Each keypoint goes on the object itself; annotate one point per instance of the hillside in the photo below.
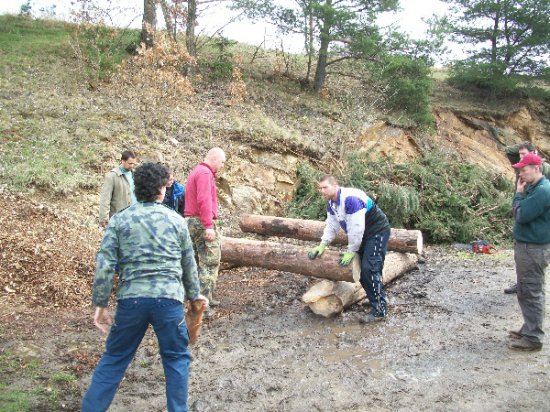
(61, 133)
(62, 127)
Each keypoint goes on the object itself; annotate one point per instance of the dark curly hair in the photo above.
(149, 178)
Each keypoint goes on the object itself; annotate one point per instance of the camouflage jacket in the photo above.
(153, 250)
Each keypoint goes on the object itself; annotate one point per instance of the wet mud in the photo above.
(444, 347)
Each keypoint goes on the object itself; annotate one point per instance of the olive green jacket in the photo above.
(115, 194)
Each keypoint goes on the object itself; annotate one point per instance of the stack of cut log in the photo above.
(340, 288)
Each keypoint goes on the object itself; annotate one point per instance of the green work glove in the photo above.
(316, 251)
(346, 258)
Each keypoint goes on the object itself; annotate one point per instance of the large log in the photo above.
(287, 258)
(291, 258)
(328, 298)
(401, 240)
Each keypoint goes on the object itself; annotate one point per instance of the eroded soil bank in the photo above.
(443, 347)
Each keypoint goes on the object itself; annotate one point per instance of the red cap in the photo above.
(529, 159)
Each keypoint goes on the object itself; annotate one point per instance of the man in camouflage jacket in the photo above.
(151, 246)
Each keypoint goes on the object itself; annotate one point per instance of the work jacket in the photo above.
(115, 194)
(532, 213)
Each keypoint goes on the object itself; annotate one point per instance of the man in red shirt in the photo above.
(201, 211)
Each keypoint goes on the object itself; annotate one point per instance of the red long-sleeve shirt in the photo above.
(201, 199)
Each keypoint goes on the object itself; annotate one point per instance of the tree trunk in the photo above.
(328, 298)
(401, 240)
(190, 29)
(291, 258)
(308, 30)
(287, 258)
(321, 70)
(149, 22)
(170, 28)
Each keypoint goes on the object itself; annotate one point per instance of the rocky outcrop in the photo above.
(261, 181)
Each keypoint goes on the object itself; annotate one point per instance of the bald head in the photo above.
(215, 158)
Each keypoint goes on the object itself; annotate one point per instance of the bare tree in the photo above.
(149, 22)
(168, 13)
(190, 29)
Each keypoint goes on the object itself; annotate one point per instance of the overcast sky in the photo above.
(409, 19)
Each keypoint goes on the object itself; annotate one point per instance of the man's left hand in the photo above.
(346, 258)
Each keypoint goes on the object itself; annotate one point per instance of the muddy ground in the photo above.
(443, 347)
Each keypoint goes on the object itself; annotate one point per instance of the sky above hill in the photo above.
(128, 13)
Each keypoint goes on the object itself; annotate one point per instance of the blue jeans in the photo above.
(132, 319)
(373, 253)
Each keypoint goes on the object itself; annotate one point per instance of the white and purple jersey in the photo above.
(353, 211)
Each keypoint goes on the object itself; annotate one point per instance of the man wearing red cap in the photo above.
(515, 154)
(531, 209)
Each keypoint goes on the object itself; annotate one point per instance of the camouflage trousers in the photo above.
(207, 255)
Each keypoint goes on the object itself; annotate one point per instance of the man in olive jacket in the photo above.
(118, 189)
(531, 209)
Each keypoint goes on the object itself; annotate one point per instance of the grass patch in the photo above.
(49, 164)
(23, 387)
(29, 39)
(14, 400)
(63, 377)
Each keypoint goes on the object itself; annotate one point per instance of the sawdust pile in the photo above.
(45, 258)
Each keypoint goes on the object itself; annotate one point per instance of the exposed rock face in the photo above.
(259, 181)
(380, 139)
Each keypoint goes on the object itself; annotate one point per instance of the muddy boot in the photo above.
(514, 334)
(512, 289)
(526, 345)
(372, 317)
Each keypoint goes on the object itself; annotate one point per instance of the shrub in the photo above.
(483, 77)
(307, 202)
(408, 85)
(222, 66)
(437, 194)
(101, 48)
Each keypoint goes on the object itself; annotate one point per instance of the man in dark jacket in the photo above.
(515, 154)
(175, 194)
(531, 209)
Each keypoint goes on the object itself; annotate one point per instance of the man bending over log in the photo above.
(368, 231)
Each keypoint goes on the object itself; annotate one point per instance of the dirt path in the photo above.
(444, 347)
